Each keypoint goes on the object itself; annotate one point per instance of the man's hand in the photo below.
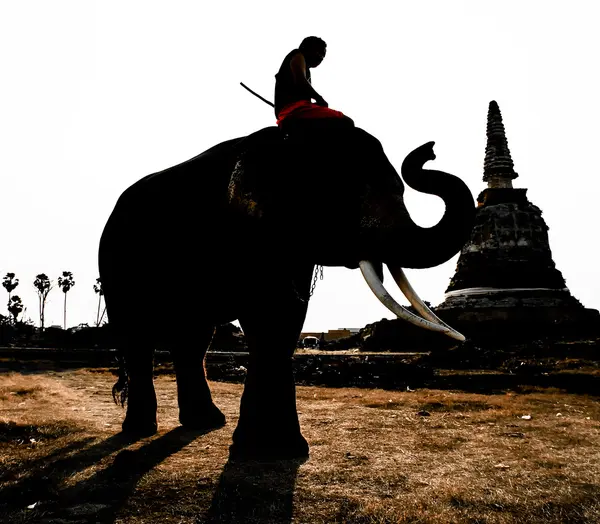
(321, 102)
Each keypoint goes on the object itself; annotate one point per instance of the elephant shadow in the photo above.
(37, 478)
(245, 491)
(254, 492)
(99, 497)
(108, 490)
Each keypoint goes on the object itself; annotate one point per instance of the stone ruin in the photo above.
(506, 284)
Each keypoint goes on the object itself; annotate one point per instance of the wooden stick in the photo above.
(257, 95)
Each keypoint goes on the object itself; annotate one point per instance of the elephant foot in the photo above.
(268, 451)
(202, 419)
(139, 428)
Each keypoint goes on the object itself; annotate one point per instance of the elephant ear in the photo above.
(255, 178)
(278, 177)
(310, 185)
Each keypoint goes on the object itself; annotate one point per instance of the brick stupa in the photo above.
(506, 280)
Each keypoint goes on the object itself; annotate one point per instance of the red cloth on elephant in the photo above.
(305, 109)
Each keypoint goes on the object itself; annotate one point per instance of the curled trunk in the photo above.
(449, 235)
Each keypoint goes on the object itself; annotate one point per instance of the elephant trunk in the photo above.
(429, 247)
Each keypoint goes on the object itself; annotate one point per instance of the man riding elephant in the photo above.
(228, 221)
(294, 92)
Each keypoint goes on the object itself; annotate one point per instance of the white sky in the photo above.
(95, 95)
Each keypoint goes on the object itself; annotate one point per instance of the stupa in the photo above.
(506, 282)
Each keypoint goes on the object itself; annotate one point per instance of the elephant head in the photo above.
(343, 193)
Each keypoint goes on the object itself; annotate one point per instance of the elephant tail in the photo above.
(121, 387)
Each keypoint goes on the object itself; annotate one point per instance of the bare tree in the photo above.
(66, 282)
(98, 289)
(10, 283)
(43, 286)
(15, 306)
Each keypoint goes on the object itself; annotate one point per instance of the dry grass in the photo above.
(426, 456)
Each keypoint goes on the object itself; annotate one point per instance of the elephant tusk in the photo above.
(386, 299)
(409, 292)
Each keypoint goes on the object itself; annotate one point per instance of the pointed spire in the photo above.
(498, 168)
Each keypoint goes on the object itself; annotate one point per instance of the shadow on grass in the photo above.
(43, 475)
(254, 492)
(99, 497)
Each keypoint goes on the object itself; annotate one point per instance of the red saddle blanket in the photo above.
(305, 109)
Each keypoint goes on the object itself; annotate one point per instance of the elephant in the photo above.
(226, 226)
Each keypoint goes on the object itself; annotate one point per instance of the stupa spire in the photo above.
(498, 170)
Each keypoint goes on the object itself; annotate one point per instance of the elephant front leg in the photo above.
(268, 427)
(196, 408)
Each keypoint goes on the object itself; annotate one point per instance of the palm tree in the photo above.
(10, 283)
(98, 289)
(43, 286)
(66, 282)
(15, 306)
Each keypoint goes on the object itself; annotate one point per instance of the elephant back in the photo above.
(277, 175)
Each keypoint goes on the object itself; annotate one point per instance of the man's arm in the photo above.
(298, 65)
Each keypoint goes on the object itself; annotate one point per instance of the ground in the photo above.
(525, 455)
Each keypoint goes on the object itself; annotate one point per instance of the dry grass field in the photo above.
(426, 456)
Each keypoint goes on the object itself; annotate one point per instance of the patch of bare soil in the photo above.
(424, 456)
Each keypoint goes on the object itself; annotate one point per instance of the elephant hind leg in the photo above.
(133, 338)
(196, 408)
(140, 420)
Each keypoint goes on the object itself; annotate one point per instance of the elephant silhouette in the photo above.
(226, 225)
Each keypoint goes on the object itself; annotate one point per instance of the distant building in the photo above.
(332, 334)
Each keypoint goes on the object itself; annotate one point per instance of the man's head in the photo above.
(313, 48)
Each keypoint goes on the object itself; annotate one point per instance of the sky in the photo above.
(96, 95)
